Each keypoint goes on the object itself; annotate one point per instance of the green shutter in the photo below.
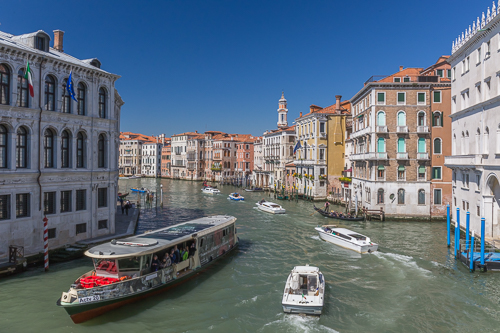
(401, 97)
(406, 79)
(381, 167)
(421, 145)
(401, 145)
(380, 97)
(441, 119)
(401, 168)
(437, 97)
(381, 145)
(421, 169)
(421, 97)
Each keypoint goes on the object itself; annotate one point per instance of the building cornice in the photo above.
(475, 107)
(397, 85)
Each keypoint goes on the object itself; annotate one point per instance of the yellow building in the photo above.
(320, 158)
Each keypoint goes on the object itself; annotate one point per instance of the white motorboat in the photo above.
(210, 190)
(346, 238)
(270, 207)
(236, 197)
(304, 291)
(134, 177)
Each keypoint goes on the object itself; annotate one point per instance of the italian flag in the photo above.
(29, 76)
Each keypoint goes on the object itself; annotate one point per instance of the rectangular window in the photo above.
(65, 201)
(4, 207)
(478, 211)
(406, 79)
(380, 174)
(436, 172)
(322, 127)
(479, 55)
(397, 79)
(23, 205)
(454, 73)
(81, 228)
(439, 72)
(437, 97)
(466, 181)
(421, 197)
(401, 174)
(421, 98)
(102, 197)
(448, 73)
(102, 224)
(478, 182)
(49, 203)
(380, 98)
(52, 233)
(467, 64)
(81, 199)
(401, 98)
(437, 196)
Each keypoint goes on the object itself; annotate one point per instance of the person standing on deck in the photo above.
(122, 205)
(327, 206)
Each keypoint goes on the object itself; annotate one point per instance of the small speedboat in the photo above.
(134, 177)
(346, 238)
(270, 207)
(236, 197)
(210, 190)
(123, 177)
(304, 291)
(140, 190)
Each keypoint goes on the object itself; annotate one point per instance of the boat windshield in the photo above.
(358, 236)
(129, 264)
(275, 206)
(105, 266)
(312, 282)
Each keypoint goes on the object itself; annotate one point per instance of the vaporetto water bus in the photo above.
(127, 270)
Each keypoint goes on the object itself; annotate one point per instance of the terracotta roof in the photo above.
(330, 109)
(407, 71)
(186, 133)
(136, 136)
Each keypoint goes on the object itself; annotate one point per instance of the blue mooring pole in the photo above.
(482, 242)
(471, 256)
(448, 223)
(457, 231)
(467, 221)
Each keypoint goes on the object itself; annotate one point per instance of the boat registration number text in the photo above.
(89, 299)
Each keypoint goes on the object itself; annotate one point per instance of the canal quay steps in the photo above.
(125, 225)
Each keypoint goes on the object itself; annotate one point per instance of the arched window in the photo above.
(101, 157)
(380, 196)
(437, 146)
(80, 150)
(486, 139)
(81, 99)
(48, 147)
(381, 118)
(22, 90)
(22, 148)
(454, 144)
(421, 118)
(401, 118)
(102, 103)
(50, 93)
(3, 147)
(66, 98)
(478, 140)
(381, 145)
(421, 145)
(437, 118)
(421, 197)
(65, 144)
(401, 196)
(4, 84)
(401, 145)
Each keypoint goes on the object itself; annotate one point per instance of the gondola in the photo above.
(322, 212)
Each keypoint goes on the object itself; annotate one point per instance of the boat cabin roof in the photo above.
(348, 232)
(306, 269)
(271, 204)
(157, 240)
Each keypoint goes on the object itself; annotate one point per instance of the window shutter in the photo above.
(441, 119)
(433, 121)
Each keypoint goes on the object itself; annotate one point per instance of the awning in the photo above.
(401, 168)
(421, 169)
(358, 116)
(348, 170)
(381, 167)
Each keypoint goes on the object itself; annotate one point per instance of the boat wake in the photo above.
(247, 301)
(296, 323)
(406, 261)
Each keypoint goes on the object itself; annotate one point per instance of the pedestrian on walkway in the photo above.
(127, 207)
(122, 205)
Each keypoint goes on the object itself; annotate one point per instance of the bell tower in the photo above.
(282, 112)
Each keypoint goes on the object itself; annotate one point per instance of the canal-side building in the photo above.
(394, 144)
(244, 156)
(320, 159)
(179, 154)
(166, 160)
(195, 157)
(151, 157)
(58, 155)
(475, 116)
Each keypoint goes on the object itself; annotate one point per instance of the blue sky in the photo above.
(221, 65)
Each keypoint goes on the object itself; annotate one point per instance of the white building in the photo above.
(58, 157)
(475, 91)
(179, 154)
(151, 159)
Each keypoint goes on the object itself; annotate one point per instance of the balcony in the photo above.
(422, 156)
(354, 157)
(361, 132)
(402, 129)
(422, 129)
(402, 156)
(380, 155)
(191, 157)
(381, 129)
(177, 153)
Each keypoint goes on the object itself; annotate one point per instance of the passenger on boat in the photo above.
(262, 201)
(155, 264)
(173, 257)
(165, 262)
(192, 249)
(177, 255)
(185, 254)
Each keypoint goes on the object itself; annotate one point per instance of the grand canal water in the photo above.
(411, 285)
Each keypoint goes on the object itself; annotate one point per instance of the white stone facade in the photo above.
(475, 91)
(68, 168)
(151, 159)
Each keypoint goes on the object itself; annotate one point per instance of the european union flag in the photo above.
(69, 87)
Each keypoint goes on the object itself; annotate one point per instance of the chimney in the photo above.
(58, 40)
(400, 68)
(196, 131)
(300, 114)
(337, 103)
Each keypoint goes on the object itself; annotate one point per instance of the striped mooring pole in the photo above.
(45, 244)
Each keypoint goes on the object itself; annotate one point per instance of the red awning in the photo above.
(348, 170)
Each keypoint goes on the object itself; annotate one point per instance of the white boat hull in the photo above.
(270, 210)
(367, 248)
(308, 301)
(210, 191)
